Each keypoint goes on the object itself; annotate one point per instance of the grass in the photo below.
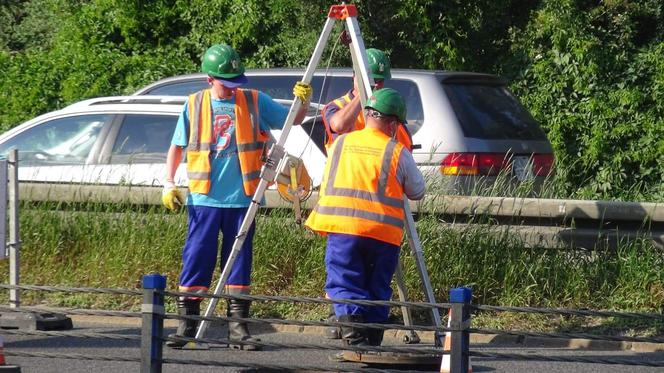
(112, 247)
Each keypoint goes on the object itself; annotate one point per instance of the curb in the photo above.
(479, 340)
(505, 340)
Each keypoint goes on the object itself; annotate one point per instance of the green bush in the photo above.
(591, 72)
(593, 75)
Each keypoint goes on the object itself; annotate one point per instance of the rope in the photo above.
(308, 323)
(579, 359)
(570, 312)
(72, 356)
(286, 368)
(72, 311)
(320, 96)
(73, 290)
(425, 351)
(568, 335)
(244, 364)
(273, 298)
(122, 337)
(260, 298)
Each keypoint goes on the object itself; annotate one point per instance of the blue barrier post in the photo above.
(459, 324)
(152, 329)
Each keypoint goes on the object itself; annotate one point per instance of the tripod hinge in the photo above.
(342, 11)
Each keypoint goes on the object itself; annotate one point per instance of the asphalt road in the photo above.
(273, 356)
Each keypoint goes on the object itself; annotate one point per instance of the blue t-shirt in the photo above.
(226, 188)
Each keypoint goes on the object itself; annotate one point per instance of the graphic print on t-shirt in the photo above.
(222, 128)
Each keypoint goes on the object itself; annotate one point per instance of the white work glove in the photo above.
(171, 197)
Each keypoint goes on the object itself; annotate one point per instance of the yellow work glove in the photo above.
(302, 91)
(171, 197)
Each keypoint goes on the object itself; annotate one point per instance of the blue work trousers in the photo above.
(360, 268)
(199, 256)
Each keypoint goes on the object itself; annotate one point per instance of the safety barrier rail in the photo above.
(455, 356)
(548, 223)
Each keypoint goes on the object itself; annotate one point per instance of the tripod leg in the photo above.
(268, 174)
(361, 68)
(416, 249)
(359, 58)
(411, 337)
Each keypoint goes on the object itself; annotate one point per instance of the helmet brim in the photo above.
(232, 82)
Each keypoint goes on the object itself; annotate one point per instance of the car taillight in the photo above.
(488, 164)
(542, 164)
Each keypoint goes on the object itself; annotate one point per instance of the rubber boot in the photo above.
(352, 336)
(186, 328)
(332, 332)
(375, 336)
(238, 331)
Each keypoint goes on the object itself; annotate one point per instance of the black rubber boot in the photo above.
(238, 331)
(186, 328)
(352, 336)
(332, 332)
(375, 336)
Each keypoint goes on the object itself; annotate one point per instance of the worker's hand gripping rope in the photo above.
(302, 91)
(171, 197)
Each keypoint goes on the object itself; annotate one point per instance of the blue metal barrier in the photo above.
(459, 323)
(152, 329)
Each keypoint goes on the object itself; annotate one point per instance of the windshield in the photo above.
(67, 140)
(491, 112)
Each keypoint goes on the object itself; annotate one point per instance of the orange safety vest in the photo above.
(403, 136)
(360, 194)
(249, 137)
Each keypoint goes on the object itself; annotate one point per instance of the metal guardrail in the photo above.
(548, 223)
(454, 357)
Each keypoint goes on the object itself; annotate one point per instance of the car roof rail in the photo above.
(128, 100)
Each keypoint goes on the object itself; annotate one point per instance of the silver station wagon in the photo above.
(468, 129)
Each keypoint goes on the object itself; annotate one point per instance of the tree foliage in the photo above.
(592, 72)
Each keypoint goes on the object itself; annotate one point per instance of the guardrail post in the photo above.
(14, 238)
(459, 323)
(152, 329)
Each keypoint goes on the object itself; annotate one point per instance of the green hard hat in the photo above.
(379, 64)
(389, 102)
(222, 61)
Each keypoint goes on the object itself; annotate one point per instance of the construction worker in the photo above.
(224, 130)
(360, 209)
(343, 115)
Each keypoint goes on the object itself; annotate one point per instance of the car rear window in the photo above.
(491, 112)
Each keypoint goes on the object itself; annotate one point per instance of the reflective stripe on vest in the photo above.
(200, 140)
(249, 138)
(354, 200)
(403, 136)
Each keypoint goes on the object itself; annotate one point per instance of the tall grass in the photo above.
(556, 185)
(115, 246)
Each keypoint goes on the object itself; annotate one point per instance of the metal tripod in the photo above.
(347, 14)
